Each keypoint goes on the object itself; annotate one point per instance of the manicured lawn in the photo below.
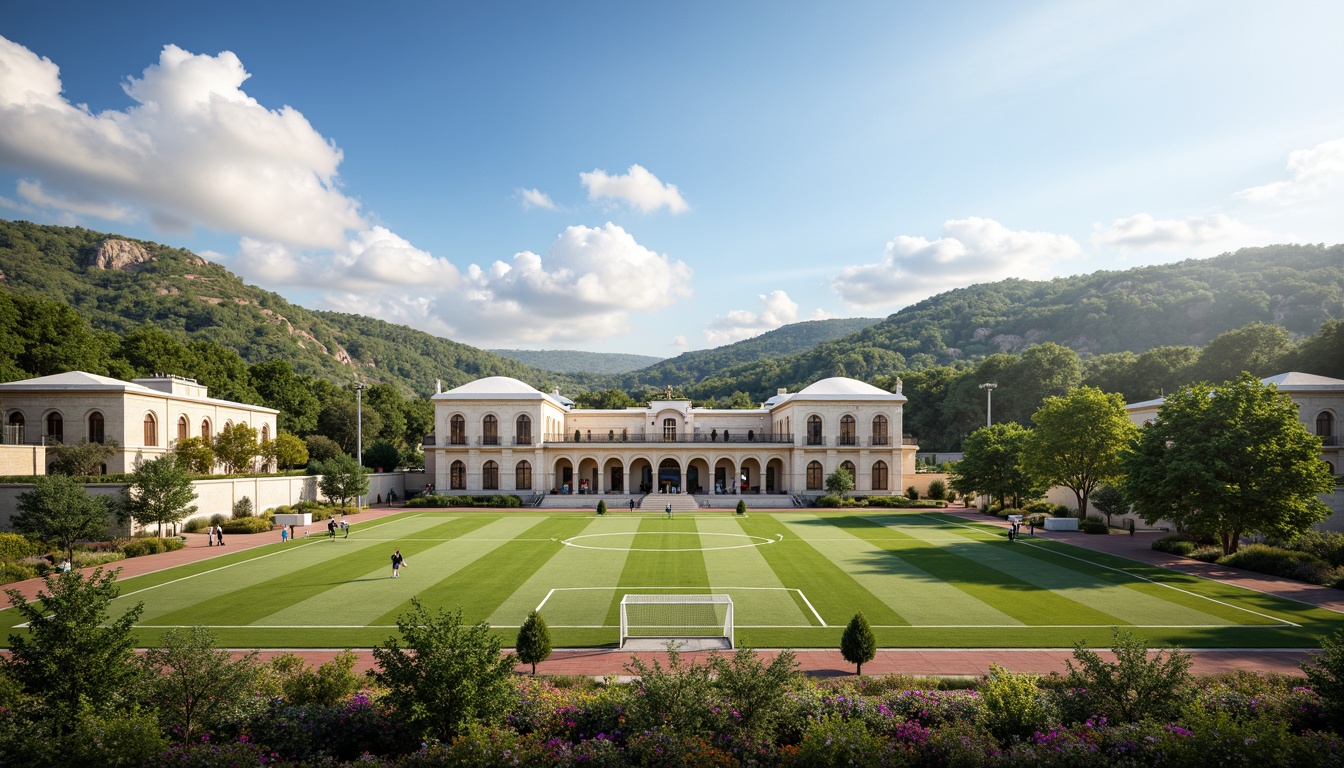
(923, 579)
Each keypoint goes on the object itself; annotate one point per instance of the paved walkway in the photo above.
(829, 663)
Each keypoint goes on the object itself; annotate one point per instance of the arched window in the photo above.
(814, 476)
(151, 430)
(669, 430)
(457, 476)
(490, 476)
(848, 466)
(183, 428)
(880, 476)
(847, 430)
(1325, 426)
(522, 476)
(814, 431)
(522, 430)
(489, 430)
(95, 427)
(55, 428)
(205, 430)
(457, 430)
(880, 434)
(14, 434)
(265, 433)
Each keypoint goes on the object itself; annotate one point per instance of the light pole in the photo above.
(359, 436)
(989, 402)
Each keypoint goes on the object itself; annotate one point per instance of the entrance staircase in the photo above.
(657, 502)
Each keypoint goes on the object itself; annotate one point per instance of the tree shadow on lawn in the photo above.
(963, 563)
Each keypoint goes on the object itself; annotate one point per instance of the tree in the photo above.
(1077, 441)
(1228, 460)
(840, 482)
(84, 459)
(448, 674)
(534, 641)
(195, 455)
(382, 454)
(858, 644)
(1110, 501)
(191, 680)
(992, 465)
(160, 492)
(1325, 675)
(1323, 354)
(236, 447)
(1135, 686)
(322, 448)
(60, 509)
(339, 420)
(286, 451)
(391, 409)
(74, 655)
(280, 388)
(1258, 348)
(343, 479)
(607, 399)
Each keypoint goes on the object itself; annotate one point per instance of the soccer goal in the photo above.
(694, 622)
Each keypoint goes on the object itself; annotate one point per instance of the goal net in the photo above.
(695, 622)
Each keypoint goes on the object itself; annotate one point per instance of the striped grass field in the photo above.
(922, 579)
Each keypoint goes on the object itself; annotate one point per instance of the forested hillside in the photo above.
(119, 284)
(575, 361)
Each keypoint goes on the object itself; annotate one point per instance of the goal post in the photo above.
(670, 618)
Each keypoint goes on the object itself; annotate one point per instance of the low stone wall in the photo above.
(23, 459)
(218, 496)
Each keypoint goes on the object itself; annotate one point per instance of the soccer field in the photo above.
(923, 580)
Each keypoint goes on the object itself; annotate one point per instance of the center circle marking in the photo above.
(751, 541)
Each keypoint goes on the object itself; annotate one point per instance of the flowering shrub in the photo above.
(343, 731)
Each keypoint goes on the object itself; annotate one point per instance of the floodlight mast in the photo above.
(989, 401)
(359, 436)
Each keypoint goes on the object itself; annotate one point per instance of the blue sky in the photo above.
(652, 178)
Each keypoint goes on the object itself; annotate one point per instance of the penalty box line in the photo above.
(806, 602)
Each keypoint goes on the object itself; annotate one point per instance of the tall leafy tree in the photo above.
(56, 339)
(992, 465)
(286, 450)
(149, 349)
(60, 509)
(391, 409)
(1226, 461)
(339, 420)
(74, 655)
(1077, 441)
(195, 454)
(236, 447)
(1323, 354)
(343, 479)
(287, 392)
(81, 459)
(840, 482)
(160, 492)
(1259, 349)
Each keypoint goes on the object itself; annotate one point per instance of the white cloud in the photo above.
(535, 198)
(776, 309)
(637, 187)
(821, 314)
(974, 250)
(193, 149)
(1312, 172)
(374, 259)
(1142, 232)
(585, 288)
(679, 342)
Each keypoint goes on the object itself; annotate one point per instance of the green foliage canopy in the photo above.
(1077, 441)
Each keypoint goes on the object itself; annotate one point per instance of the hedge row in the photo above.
(436, 500)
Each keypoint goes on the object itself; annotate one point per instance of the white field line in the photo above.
(249, 560)
(741, 626)
(1039, 545)
(715, 587)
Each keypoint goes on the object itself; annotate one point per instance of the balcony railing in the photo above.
(488, 440)
(729, 436)
(522, 440)
(428, 442)
(1329, 440)
(908, 440)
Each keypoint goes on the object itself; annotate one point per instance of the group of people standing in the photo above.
(215, 535)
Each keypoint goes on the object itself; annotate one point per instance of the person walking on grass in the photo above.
(669, 510)
(345, 525)
(397, 562)
(632, 505)
(331, 527)
(284, 535)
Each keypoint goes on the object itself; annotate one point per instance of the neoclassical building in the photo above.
(146, 417)
(499, 434)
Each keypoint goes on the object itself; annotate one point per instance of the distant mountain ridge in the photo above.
(575, 361)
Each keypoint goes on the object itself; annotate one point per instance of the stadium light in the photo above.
(989, 402)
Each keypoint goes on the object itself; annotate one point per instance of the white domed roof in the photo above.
(495, 385)
(841, 386)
